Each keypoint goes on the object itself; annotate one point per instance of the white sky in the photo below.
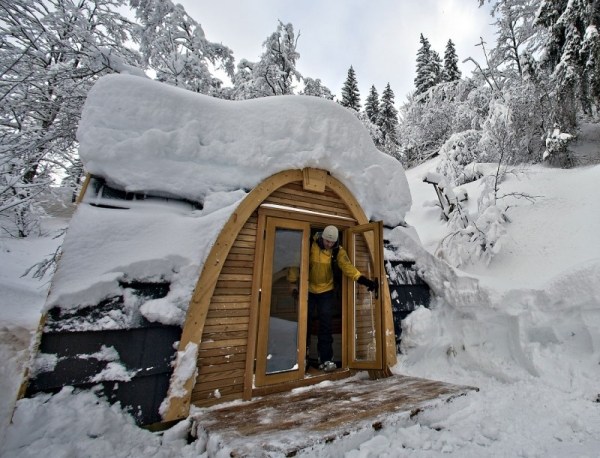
(379, 38)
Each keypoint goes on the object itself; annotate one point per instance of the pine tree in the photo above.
(350, 93)
(437, 68)
(572, 53)
(428, 67)
(451, 71)
(372, 105)
(388, 121)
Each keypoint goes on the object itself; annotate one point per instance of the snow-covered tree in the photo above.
(472, 100)
(350, 92)
(428, 67)
(437, 67)
(451, 71)
(388, 121)
(316, 88)
(276, 70)
(427, 122)
(51, 52)
(516, 32)
(244, 85)
(275, 73)
(497, 141)
(174, 45)
(372, 105)
(532, 114)
(372, 127)
(572, 53)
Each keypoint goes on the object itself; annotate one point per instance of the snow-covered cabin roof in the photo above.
(147, 137)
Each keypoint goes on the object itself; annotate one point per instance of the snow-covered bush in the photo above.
(497, 144)
(448, 200)
(557, 149)
(480, 240)
(478, 237)
(458, 155)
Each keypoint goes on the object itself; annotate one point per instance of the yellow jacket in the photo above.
(320, 274)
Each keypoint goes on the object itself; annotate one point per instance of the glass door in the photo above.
(365, 318)
(281, 344)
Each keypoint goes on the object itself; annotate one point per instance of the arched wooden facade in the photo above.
(223, 313)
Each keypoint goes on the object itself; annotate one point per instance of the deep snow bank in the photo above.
(547, 325)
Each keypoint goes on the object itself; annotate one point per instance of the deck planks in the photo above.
(289, 422)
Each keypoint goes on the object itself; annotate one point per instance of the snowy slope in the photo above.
(525, 330)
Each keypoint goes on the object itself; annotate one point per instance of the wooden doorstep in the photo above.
(288, 422)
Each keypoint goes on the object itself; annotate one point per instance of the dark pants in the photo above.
(320, 306)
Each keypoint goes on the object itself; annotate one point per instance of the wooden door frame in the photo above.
(271, 224)
(265, 212)
(281, 214)
(375, 249)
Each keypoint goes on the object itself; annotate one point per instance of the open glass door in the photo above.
(282, 307)
(365, 317)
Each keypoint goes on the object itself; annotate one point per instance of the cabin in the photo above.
(173, 289)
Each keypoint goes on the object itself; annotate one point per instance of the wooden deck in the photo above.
(285, 423)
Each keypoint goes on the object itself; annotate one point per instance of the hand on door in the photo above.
(370, 284)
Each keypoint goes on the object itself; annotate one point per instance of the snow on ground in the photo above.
(21, 299)
(525, 330)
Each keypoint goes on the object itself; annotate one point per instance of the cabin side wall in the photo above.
(222, 352)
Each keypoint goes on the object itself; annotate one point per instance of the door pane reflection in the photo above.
(282, 344)
(365, 320)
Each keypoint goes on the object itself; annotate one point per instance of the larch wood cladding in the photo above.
(222, 350)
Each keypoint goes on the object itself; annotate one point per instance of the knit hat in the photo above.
(330, 233)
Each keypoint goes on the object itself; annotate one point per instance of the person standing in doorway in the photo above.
(325, 251)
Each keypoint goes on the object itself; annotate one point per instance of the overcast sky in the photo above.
(379, 38)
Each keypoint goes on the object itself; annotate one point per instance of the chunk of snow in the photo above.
(185, 369)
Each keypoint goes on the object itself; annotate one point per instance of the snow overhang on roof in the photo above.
(145, 136)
